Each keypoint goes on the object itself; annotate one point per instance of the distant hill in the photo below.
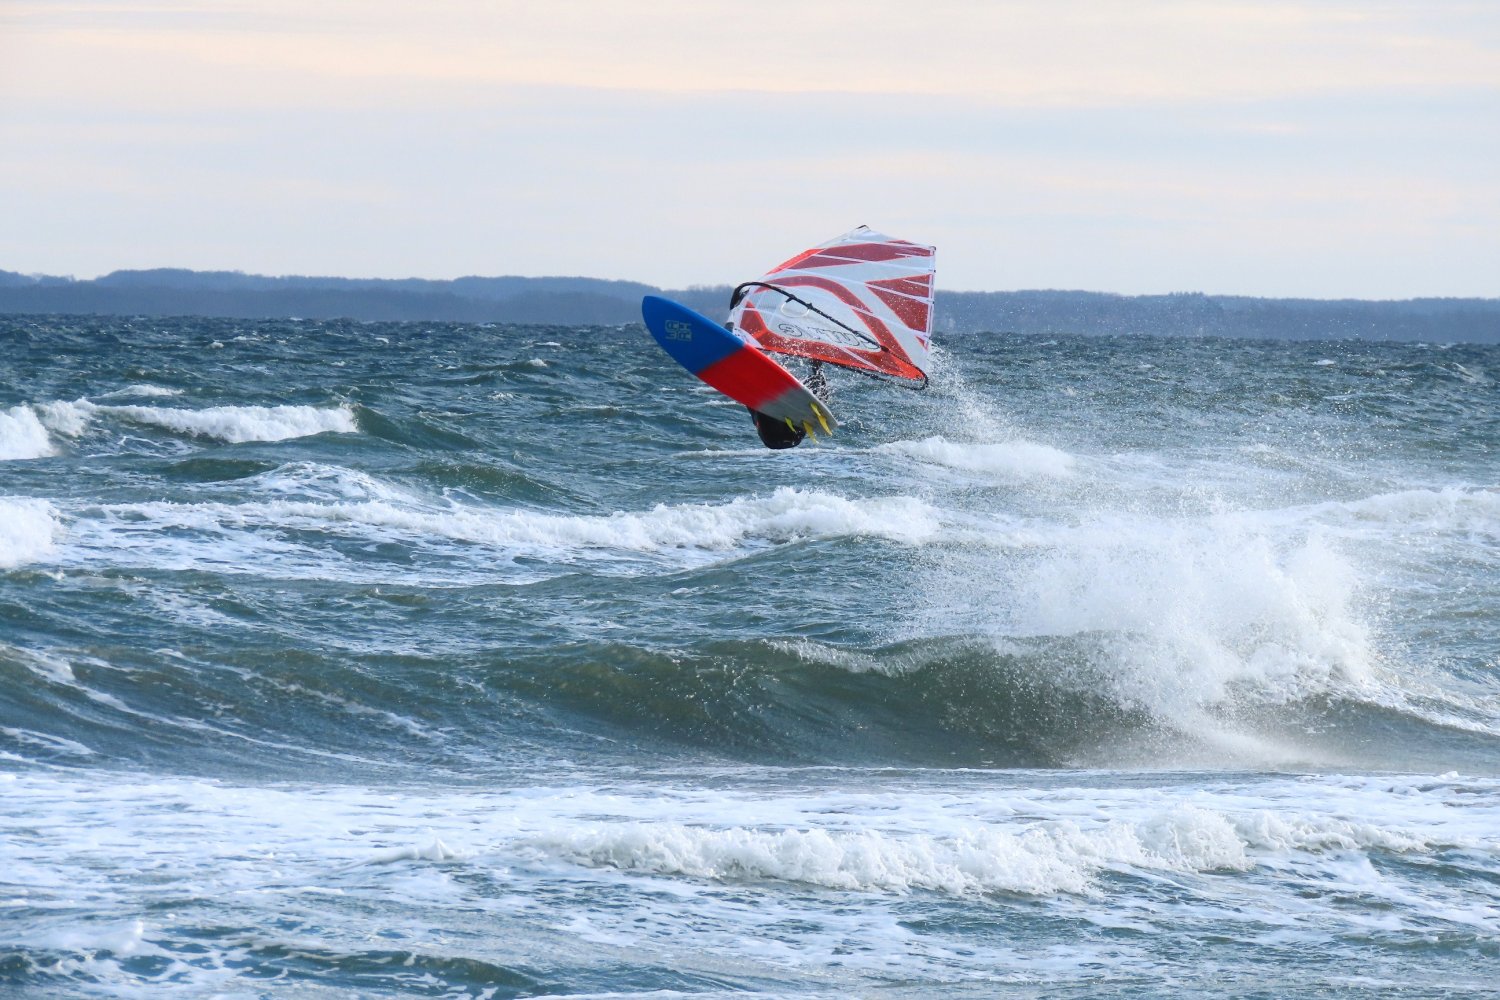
(578, 300)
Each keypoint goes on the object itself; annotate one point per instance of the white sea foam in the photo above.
(28, 530)
(1040, 859)
(238, 424)
(248, 536)
(46, 665)
(22, 435)
(434, 851)
(47, 741)
(69, 419)
(234, 424)
(1181, 616)
(788, 515)
(619, 863)
(141, 389)
(119, 940)
(1450, 509)
(1014, 459)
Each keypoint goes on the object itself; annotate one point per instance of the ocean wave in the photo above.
(248, 536)
(28, 530)
(957, 702)
(140, 389)
(1187, 614)
(22, 435)
(239, 424)
(787, 515)
(1470, 509)
(232, 424)
(1035, 859)
(960, 701)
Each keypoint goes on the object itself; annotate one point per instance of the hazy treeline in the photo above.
(175, 292)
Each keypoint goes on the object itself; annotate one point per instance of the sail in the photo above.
(863, 301)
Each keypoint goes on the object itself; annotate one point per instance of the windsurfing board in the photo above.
(738, 369)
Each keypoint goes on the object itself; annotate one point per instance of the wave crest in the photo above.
(28, 529)
(22, 435)
(232, 424)
(1037, 859)
(239, 424)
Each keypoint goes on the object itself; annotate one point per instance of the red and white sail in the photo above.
(863, 300)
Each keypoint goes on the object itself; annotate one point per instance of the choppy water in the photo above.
(402, 660)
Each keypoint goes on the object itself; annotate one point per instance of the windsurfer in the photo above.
(780, 434)
(817, 382)
(776, 434)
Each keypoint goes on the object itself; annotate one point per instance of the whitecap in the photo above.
(238, 424)
(1038, 859)
(28, 530)
(141, 389)
(249, 537)
(22, 435)
(69, 419)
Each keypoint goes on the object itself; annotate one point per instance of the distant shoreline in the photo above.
(567, 301)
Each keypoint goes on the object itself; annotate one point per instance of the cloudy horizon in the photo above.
(1320, 150)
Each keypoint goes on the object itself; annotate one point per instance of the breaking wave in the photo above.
(28, 530)
(1036, 859)
(22, 435)
(324, 505)
(231, 424)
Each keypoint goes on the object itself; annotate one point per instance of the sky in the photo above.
(1314, 149)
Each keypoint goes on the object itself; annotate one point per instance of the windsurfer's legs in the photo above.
(817, 382)
(775, 433)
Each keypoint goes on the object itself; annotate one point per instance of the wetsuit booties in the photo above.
(776, 433)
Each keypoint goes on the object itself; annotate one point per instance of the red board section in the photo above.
(750, 377)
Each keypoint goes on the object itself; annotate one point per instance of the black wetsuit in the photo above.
(817, 382)
(776, 433)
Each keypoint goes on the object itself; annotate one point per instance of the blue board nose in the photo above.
(694, 341)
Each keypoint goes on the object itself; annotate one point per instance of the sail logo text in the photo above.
(678, 330)
(829, 335)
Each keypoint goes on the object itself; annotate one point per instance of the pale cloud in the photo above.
(1333, 148)
(1032, 54)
